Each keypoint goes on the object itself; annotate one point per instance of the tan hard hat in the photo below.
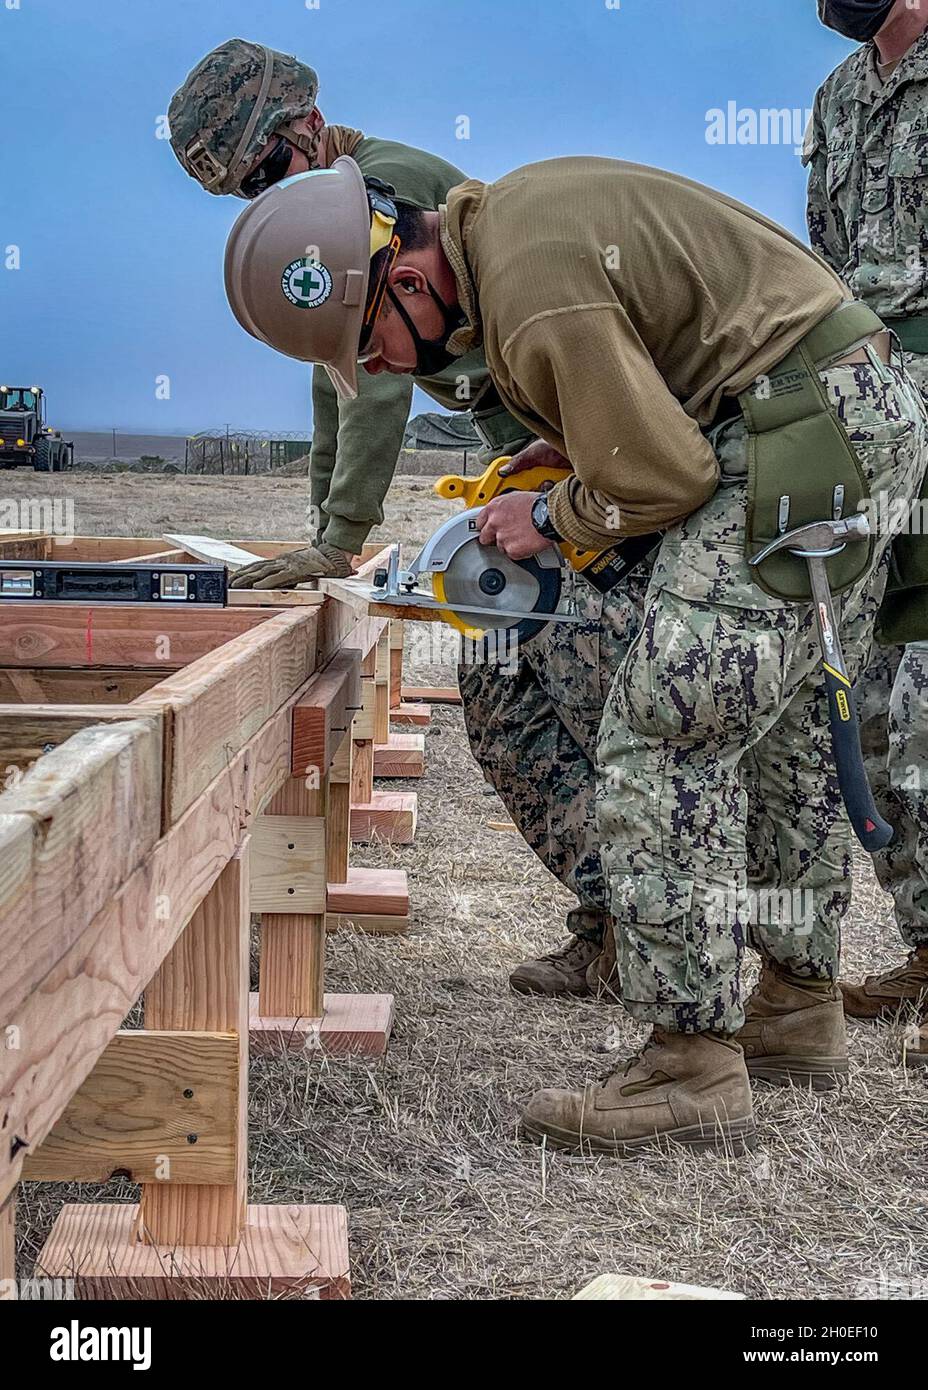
(297, 267)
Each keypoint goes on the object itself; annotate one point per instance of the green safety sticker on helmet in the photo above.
(306, 283)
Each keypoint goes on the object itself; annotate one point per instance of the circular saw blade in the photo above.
(483, 575)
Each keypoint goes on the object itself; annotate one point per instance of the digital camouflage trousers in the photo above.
(719, 813)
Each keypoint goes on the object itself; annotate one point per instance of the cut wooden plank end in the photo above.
(371, 924)
(297, 1251)
(432, 694)
(379, 892)
(359, 1024)
(406, 713)
(388, 816)
(403, 755)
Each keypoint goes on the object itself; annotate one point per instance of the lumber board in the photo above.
(69, 685)
(275, 598)
(78, 634)
(379, 892)
(366, 717)
(321, 719)
(388, 816)
(159, 1105)
(432, 694)
(27, 731)
(24, 547)
(206, 548)
(406, 714)
(350, 1024)
(288, 864)
(158, 557)
(368, 923)
(403, 755)
(203, 984)
(106, 549)
(72, 830)
(284, 1250)
(216, 704)
(292, 967)
(630, 1287)
(65, 1023)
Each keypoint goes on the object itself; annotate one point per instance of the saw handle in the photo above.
(871, 829)
(477, 492)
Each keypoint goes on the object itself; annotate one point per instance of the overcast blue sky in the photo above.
(120, 277)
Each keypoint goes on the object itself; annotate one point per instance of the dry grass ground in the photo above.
(444, 1200)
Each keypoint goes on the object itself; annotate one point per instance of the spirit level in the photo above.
(85, 582)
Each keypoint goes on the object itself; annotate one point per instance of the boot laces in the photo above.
(573, 947)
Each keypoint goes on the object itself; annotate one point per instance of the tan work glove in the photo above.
(286, 571)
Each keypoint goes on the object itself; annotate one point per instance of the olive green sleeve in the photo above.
(351, 476)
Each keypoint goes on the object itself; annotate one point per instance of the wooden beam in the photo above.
(288, 1251)
(321, 719)
(390, 817)
(403, 755)
(381, 892)
(433, 694)
(70, 685)
(275, 598)
(338, 812)
(157, 1106)
(76, 634)
(158, 557)
(25, 547)
(28, 731)
(203, 985)
(102, 965)
(217, 703)
(417, 715)
(288, 864)
(292, 968)
(349, 1024)
(71, 832)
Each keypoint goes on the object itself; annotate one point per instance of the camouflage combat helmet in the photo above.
(230, 105)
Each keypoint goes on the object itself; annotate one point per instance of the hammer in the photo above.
(816, 543)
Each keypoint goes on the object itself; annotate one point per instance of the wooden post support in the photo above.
(203, 1239)
(397, 635)
(290, 1010)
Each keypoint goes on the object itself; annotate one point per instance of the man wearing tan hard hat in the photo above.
(244, 119)
(687, 379)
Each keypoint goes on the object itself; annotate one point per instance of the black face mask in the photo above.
(432, 356)
(855, 19)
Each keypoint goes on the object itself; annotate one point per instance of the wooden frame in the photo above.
(132, 852)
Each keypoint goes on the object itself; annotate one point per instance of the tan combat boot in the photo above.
(585, 964)
(882, 996)
(915, 1053)
(689, 1088)
(794, 1031)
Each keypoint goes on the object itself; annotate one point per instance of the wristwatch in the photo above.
(542, 521)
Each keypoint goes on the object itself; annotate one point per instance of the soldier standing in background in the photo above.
(867, 153)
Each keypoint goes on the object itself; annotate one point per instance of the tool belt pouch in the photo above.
(798, 449)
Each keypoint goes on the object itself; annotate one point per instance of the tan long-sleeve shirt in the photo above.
(617, 304)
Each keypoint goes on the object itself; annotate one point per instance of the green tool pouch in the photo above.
(802, 466)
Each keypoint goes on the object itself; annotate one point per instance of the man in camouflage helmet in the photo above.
(867, 153)
(245, 117)
(688, 381)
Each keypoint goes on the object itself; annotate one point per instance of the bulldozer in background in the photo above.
(25, 438)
